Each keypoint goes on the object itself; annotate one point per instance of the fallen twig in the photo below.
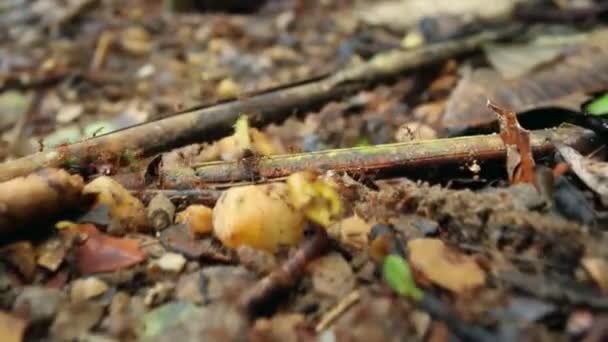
(260, 298)
(337, 310)
(402, 156)
(189, 196)
(203, 124)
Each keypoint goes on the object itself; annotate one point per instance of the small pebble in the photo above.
(87, 288)
(171, 262)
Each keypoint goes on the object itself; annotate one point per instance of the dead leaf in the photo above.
(12, 328)
(592, 172)
(445, 267)
(104, 253)
(520, 162)
(514, 60)
(562, 83)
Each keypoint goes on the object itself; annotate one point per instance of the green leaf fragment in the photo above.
(398, 275)
(598, 106)
(165, 317)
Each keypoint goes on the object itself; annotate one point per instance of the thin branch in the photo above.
(262, 297)
(402, 156)
(204, 124)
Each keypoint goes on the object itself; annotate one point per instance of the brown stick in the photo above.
(204, 124)
(402, 156)
(258, 298)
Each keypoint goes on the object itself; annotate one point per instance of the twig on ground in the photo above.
(331, 315)
(190, 196)
(401, 156)
(203, 124)
(262, 297)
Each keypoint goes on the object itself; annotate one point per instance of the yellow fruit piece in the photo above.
(444, 266)
(125, 209)
(258, 216)
(315, 197)
(198, 219)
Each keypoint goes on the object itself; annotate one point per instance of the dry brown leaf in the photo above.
(562, 83)
(520, 162)
(103, 253)
(12, 328)
(592, 172)
(445, 267)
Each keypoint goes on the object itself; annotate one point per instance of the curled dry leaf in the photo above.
(592, 172)
(197, 218)
(259, 216)
(520, 162)
(445, 267)
(40, 196)
(103, 253)
(126, 211)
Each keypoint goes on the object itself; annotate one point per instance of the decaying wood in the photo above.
(39, 196)
(204, 124)
(406, 156)
(259, 298)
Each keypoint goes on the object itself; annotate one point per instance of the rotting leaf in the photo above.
(445, 267)
(104, 253)
(520, 162)
(592, 172)
(398, 276)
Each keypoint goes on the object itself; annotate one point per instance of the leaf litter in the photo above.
(354, 239)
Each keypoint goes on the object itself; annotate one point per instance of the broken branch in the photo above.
(204, 124)
(258, 298)
(402, 156)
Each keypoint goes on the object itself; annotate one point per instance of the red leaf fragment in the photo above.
(104, 253)
(520, 162)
